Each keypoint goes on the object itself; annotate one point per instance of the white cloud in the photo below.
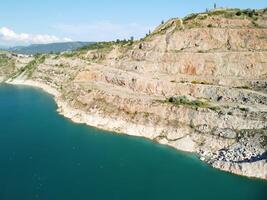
(9, 35)
(103, 30)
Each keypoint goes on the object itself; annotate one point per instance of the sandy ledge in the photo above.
(256, 169)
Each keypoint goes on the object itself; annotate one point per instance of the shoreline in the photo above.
(36, 84)
(249, 170)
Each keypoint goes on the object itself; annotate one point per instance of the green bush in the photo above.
(238, 13)
(190, 17)
(99, 45)
(184, 101)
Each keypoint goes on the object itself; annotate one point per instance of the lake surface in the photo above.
(45, 156)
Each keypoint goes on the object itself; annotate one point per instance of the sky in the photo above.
(36, 21)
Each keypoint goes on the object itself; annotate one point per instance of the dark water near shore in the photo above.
(45, 156)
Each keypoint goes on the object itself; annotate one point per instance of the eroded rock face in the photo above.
(216, 61)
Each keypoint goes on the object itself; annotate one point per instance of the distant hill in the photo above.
(48, 48)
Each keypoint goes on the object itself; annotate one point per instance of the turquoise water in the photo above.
(45, 156)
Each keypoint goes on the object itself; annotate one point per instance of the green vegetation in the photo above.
(243, 109)
(238, 13)
(7, 65)
(106, 45)
(165, 27)
(184, 101)
(69, 54)
(232, 13)
(195, 20)
(4, 61)
(100, 49)
(245, 87)
(98, 45)
(224, 13)
(250, 13)
(190, 17)
(256, 25)
(227, 13)
(31, 66)
(264, 141)
(209, 26)
(202, 16)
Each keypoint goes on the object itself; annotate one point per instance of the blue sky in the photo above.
(34, 21)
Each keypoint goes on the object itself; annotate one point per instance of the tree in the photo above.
(162, 22)
(132, 38)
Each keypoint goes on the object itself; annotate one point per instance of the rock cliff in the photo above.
(198, 84)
